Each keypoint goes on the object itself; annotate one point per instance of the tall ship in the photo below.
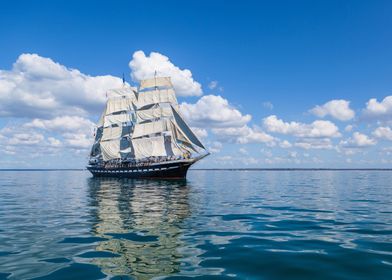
(141, 134)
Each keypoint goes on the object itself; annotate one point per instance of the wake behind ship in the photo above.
(141, 134)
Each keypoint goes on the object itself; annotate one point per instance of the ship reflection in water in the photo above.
(140, 222)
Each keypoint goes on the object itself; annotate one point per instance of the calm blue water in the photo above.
(216, 225)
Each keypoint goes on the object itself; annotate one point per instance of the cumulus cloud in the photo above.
(39, 87)
(213, 111)
(75, 131)
(383, 132)
(23, 138)
(243, 135)
(358, 140)
(144, 67)
(64, 123)
(338, 109)
(14, 139)
(378, 110)
(316, 129)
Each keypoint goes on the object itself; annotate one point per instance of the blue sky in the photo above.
(293, 55)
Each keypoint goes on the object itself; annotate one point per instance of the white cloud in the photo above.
(16, 138)
(378, 110)
(213, 84)
(76, 131)
(243, 151)
(285, 144)
(78, 140)
(144, 67)
(293, 154)
(358, 140)
(338, 109)
(25, 139)
(39, 87)
(243, 135)
(281, 160)
(316, 129)
(268, 105)
(215, 147)
(348, 128)
(63, 123)
(200, 132)
(249, 160)
(383, 132)
(314, 143)
(213, 111)
(54, 142)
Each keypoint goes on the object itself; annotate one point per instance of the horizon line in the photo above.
(220, 169)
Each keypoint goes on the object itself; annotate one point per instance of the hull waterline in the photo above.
(167, 170)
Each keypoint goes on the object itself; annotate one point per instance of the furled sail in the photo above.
(155, 82)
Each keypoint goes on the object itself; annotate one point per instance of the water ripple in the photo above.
(215, 225)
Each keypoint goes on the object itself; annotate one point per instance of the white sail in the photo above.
(101, 119)
(156, 96)
(110, 149)
(149, 147)
(184, 128)
(116, 119)
(138, 125)
(155, 82)
(126, 91)
(148, 128)
(171, 147)
(110, 133)
(119, 104)
(177, 133)
(153, 113)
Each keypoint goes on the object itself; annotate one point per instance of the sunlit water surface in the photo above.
(215, 225)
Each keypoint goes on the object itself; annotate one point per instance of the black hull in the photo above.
(165, 170)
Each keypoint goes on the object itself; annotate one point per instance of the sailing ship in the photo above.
(141, 134)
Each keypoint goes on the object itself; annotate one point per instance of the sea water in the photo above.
(215, 225)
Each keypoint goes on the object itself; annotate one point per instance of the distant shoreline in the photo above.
(217, 169)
